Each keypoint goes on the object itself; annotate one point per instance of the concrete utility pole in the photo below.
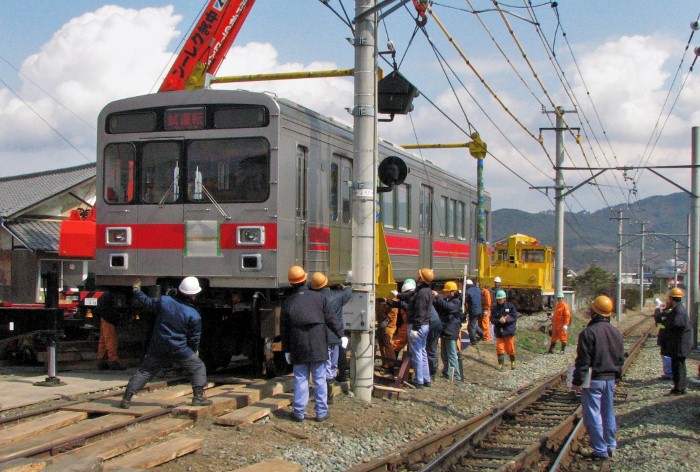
(694, 235)
(641, 272)
(559, 199)
(365, 165)
(618, 304)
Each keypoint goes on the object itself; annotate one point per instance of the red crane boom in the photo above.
(208, 43)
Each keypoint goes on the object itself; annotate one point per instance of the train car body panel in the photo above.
(234, 187)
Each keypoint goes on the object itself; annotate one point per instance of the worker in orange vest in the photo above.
(561, 319)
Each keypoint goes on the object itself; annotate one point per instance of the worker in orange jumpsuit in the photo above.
(107, 348)
(561, 319)
(485, 319)
(386, 318)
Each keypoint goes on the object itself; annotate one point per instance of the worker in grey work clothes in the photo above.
(176, 335)
(304, 318)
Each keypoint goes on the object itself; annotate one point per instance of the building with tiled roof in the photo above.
(32, 207)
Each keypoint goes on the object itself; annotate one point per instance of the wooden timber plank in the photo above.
(36, 426)
(220, 404)
(272, 465)
(24, 465)
(120, 443)
(158, 454)
(111, 405)
(267, 388)
(254, 394)
(276, 402)
(245, 415)
(64, 435)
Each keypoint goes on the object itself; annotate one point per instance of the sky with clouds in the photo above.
(621, 71)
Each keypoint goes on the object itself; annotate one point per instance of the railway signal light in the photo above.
(396, 94)
(392, 171)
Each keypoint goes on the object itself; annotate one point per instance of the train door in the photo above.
(301, 207)
(340, 215)
(425, 224)
(160, 214)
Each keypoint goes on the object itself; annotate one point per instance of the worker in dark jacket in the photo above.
(419, 312)
(304, 318)
(472, 295)
(598, 367)
(336, 300)
(504, 317)
(176, 335)
(675, 339)
(450, 310)
(107, 349)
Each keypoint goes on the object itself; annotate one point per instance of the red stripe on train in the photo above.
(451, 249)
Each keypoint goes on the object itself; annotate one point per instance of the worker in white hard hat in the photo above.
(560, 324)
(176, 335)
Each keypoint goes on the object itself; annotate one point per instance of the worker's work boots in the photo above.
(512, 362)
(331, 393)
(501, 359)
(563, 347)
(126, 399)
(551, 348)
(199, 399)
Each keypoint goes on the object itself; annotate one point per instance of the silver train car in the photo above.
(234, 187)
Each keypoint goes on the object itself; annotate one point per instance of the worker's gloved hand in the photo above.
(348, 278)
(394, 292)
(565, 328)
(414, 334)
(344, 342)
(288, 358)
(137, 284)
(384, 324)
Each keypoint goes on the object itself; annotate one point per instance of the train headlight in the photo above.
(118, 236)
(251, 235)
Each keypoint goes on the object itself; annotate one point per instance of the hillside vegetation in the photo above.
(591, 237)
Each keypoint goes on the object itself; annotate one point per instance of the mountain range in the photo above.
(592, 237)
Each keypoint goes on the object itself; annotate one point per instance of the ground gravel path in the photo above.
(657, 432)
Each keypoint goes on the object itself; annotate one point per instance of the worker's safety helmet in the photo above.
(450, 286)
(426, 274)
(675, 292)
(497, 280)
(296, 275)
(408, 284)
(560, 294)
(470, 282)
(318, 280)
(602, 305)
(190, 286)
(500, 294)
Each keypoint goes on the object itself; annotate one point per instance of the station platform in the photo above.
(18, 389)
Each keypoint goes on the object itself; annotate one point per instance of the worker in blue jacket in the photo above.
(176, 335)
(472, 295)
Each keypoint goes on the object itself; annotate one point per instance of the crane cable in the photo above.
(483, 81)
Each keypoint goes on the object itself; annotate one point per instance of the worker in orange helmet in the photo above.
(561, 319)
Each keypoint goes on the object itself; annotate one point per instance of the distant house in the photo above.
(31, 209)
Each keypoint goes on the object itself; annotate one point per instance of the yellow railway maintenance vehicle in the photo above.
(526, 269)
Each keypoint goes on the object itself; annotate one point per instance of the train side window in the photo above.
(387, 209)
(302, 153)
(333, 201)
(346, 177)
(451, 208)
(119, 173)
(443, 216)
(459, 220)
(160, 172)
(231, 170)
(403, 207)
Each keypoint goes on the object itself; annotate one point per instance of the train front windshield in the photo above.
(159, 172)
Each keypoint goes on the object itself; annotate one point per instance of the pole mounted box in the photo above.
(396, 95)
(356, 312)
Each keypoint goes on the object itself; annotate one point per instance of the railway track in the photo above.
(539, 429)
(95, 432)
